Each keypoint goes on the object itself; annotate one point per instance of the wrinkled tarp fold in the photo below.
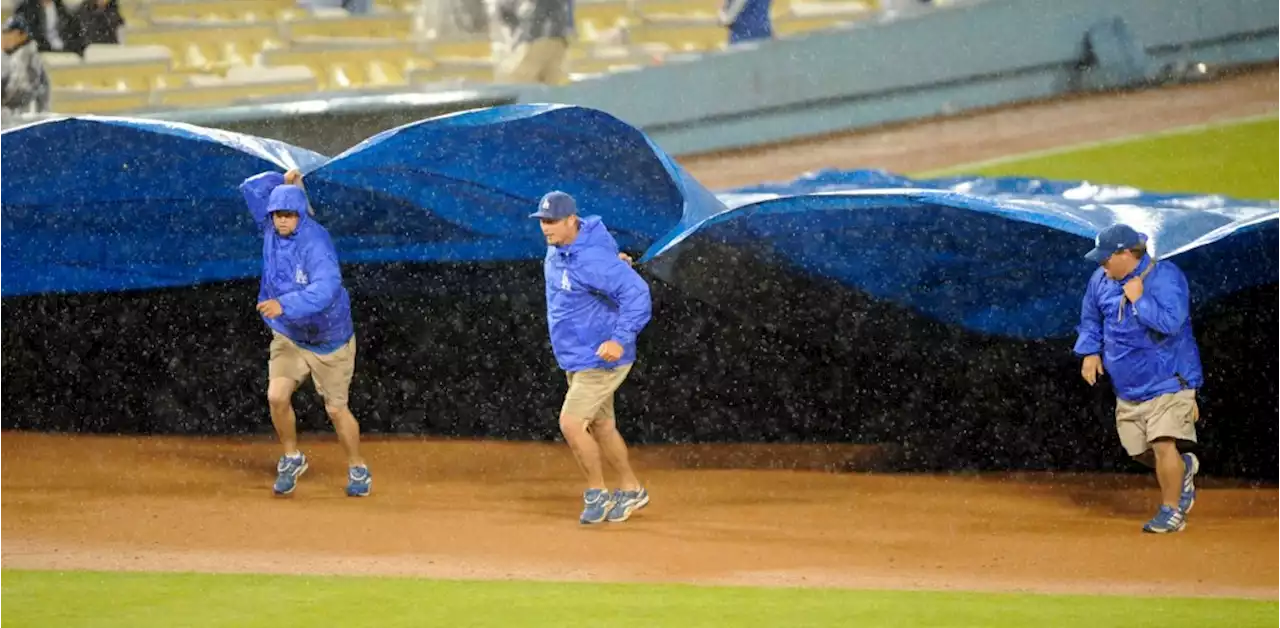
(140, 204)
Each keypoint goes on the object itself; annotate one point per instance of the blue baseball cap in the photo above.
(555, 206)
(1112, 240)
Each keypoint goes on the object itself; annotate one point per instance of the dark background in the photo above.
(461, 350)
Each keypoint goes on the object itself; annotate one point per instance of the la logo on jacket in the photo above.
(564, 281)
(300, 276)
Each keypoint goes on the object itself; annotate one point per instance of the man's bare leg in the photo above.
(348, 430)
(280, 401)
(585, 450)
(1169, 470)
(614, 448)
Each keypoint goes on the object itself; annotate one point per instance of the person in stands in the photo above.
(537, 34)
(26, 83)
(100, 21)
(53, 26)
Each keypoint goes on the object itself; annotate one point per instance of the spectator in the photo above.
(26, 84)
(52, 26)
(100, 21)
(536, 34)
(747, 20)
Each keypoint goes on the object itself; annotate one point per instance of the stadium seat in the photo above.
(357, 64)
(393, 26)
(60, 59)
(593, 19)
(112, 68)
(240, 84)
(78, 101)
(662, 10)
(468, 49)
(402, 6)
(449, 70)
(210, 47)
(119, 53)
(830, 8)
(221, 10)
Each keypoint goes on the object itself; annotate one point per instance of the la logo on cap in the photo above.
(546, 203)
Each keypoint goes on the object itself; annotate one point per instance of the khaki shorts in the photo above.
(1168, 416)
(538, 61)
(331, 372)
(590, 396)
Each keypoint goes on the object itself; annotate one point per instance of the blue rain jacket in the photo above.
(1148, 348)
(749, 20)
(593, 297)
(300, 271)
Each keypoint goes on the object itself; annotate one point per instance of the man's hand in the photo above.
(270, 309)
(293, 177)
(610, 351)
(626, 258)
(1133, 289)
(1091, 368)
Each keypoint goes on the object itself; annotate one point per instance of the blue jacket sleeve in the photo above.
(323, 286)
(1165, 304)
(1089, 339)
(256, 190)
(627, 288)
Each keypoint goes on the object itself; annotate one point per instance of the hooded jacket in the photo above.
(25, 80)
(593, 297)
(1147, 347)
(300, 271)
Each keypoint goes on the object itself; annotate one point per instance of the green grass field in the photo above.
(141, 600)
(1233, 159)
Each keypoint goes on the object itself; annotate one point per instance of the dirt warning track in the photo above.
(508, 510)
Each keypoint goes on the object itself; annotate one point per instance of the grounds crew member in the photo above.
(1135, 326)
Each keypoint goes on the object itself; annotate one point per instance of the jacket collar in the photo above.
(1137, 270)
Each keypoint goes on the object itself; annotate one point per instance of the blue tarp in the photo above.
(460, 187)
(995, 255)
(104, 204)
(107, 204)
(146, 204)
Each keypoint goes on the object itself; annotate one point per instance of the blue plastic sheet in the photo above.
(108, 204)
(104, 204)
(994, 255)
(146, 204)
(460, 187)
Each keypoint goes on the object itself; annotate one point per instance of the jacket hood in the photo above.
(289, 198)
(592, 234)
